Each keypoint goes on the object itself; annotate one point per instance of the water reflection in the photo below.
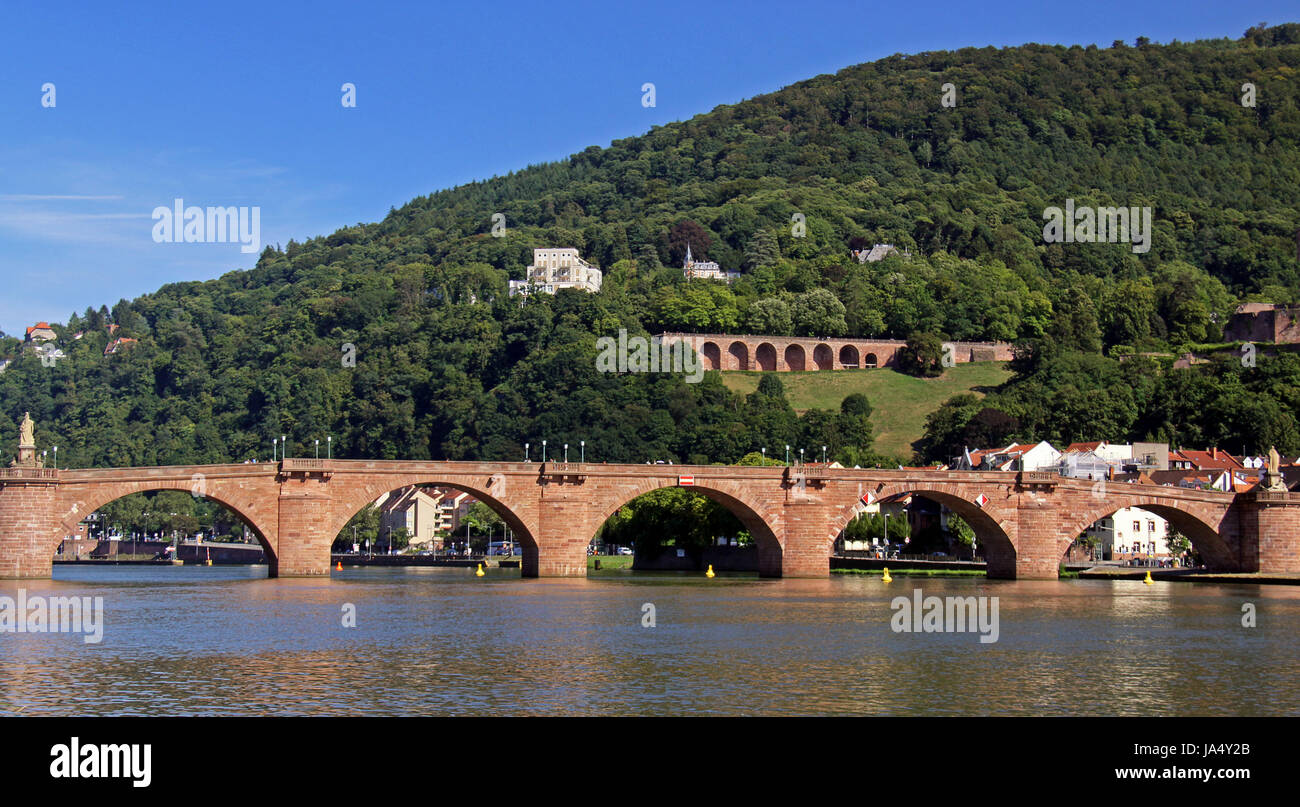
(224, 640)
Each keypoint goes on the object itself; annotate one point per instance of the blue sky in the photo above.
(239, 104)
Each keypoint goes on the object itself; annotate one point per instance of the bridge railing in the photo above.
(29, 473)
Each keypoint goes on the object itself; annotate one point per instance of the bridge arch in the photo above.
(492, 491)
(992, 523)
(870, 361)
(1201, 525)
(730, 495)
(739, 353)
(78, 501)
(765, 357)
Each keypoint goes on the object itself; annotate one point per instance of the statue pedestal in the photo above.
(27, 457)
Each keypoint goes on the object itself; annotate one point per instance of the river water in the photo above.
(227, 641)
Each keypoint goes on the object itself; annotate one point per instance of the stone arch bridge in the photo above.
(1025, 521)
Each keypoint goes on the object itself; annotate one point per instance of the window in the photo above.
(1137, 526)
(1151, 526)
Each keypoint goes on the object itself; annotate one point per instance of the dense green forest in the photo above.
(780, 187)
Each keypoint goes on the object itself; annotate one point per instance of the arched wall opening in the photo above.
(824, 357)
(712, 356)
(794, 357)
(765, 357)
(739, 353)
(849, 356)
(870, 361)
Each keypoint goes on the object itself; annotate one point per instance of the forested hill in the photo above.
(448, 366)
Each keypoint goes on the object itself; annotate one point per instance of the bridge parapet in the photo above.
(307, 467)
(28, 474)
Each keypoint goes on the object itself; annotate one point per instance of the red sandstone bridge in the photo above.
(1025, 521)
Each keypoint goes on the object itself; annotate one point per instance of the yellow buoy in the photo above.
(710, 573)
(885, 578)
(479, 571)
(1148, 580)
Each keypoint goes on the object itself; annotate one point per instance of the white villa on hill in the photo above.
(556, 268)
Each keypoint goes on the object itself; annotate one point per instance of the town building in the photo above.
(878, 252)
(118, 344)
(556, 268)
(704, 270)
(1131, 532)
(1014, 457)
(40, 332)
(428, 514)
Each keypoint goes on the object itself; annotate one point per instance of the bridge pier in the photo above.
(564, 532)
(28, 528)
(302, 545)
(1271, 533)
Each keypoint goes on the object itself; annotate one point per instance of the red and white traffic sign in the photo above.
(981, 500)
(686, 481)
(868, 497)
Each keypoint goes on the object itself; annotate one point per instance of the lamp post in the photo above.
(543, 451)
(56, 458)
(329, 447)
(801, 456)
(526, 452)
(566, 453)
(318, 448)
(764, 455)
(823, 455)
(275, 447)
(284, 447)
(582, 446)
(787, 453)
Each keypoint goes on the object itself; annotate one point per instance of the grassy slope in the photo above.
(900, 402)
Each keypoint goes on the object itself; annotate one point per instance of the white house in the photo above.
(1131, 532)
(556, 268)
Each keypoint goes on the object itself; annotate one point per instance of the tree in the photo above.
(818, 313)
(687, 233)
(922, 355)
(770, 316)
(762, 251)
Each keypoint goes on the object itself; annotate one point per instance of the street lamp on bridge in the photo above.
(582, 446)
(284, 447)
(275, 445)
(566, 453)
(526, 453)
(329, 447)
(787, 453)
(543, 451)
(317, 448)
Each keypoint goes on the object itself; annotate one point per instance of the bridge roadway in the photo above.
(1025, 521)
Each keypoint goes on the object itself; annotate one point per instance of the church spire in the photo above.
(686, 264)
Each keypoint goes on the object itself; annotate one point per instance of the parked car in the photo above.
(623, 550)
